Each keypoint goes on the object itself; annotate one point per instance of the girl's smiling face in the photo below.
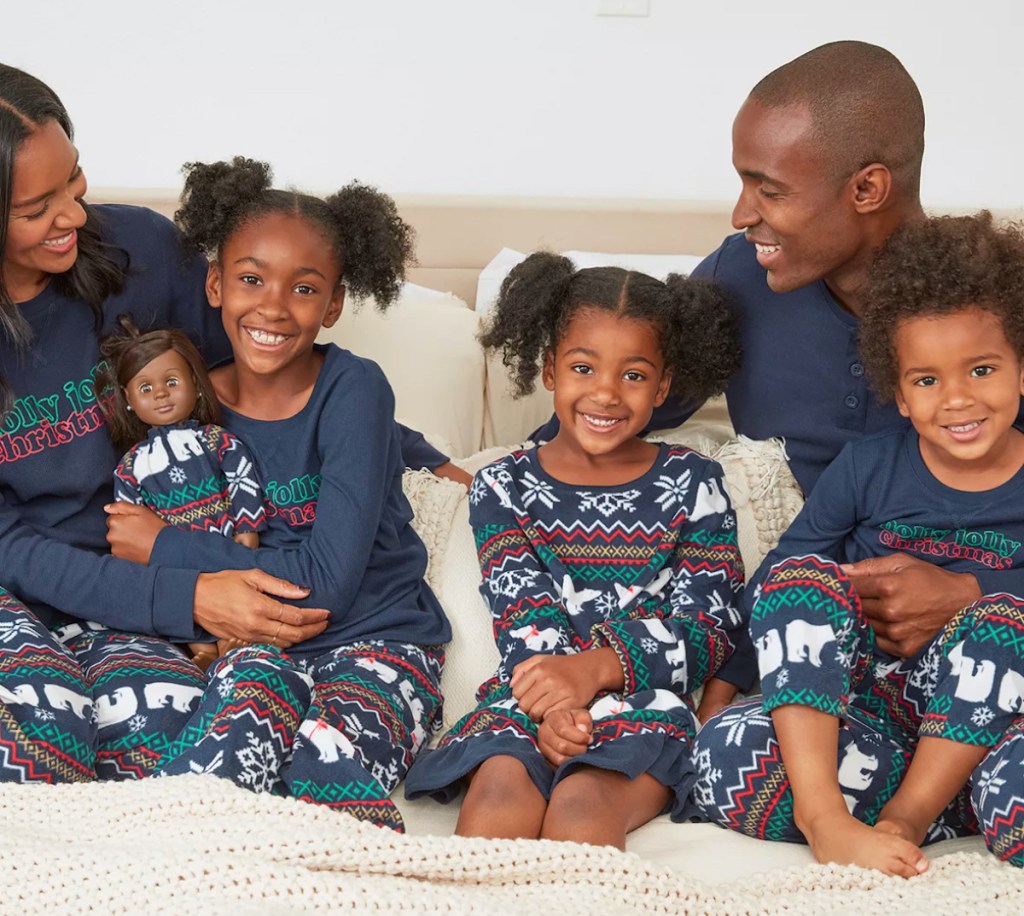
(607, 374)
(277, 283)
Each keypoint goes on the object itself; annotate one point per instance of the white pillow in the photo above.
(656, 265)
(426, 344)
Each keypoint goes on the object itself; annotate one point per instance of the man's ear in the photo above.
(663, 387)
(871, 187)
(213, 280)
(547, 373)
(334, 307)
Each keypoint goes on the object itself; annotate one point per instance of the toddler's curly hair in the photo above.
(541, 295)
(371, 242)
(937, 267)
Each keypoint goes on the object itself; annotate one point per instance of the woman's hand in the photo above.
(564, 734)
(132, 531)
(544, 683)
(235, 604)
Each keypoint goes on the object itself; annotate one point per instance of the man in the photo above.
(828, 148)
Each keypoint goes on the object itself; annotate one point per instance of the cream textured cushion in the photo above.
(426, 344)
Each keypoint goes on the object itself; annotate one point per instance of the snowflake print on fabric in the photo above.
(607, 604)
(17, 629)
(45, 715)
(681, 588)
(845, 650)
(477, 491)
(982, 715)
(177, 475)
(242, 478)
(138, 647)
(724, 610)
(728, 522)
(782, 677)
(511, 582)
(386, 774)
(703, 789)
(137, 723)
(738, 723)
(259, 764)
(925, 676)
(609, 503)
(225, 687)
(535, 489)
(672, 491)
(991, 782)
(211, 767)
(650, 646)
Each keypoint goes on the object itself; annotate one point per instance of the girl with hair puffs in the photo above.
(610, 564)
(82, 629)
(161, 407)
(344, 713)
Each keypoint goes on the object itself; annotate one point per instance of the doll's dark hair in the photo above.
(127, 353)
(937, 267)
(371, 242)
(696, 327)
(27, 104)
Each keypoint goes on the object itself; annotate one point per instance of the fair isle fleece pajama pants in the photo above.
(815, 648)
(340, 729)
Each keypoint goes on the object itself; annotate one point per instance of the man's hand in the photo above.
(564, 734)
(908, 600)
(237, 604)
(132, 531)
(544, 683)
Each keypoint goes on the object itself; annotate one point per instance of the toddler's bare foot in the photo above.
(901, 827)
(839, 837)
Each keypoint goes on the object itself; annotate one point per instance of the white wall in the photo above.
(507, 97)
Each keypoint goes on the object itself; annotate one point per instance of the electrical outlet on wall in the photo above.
(623, 7)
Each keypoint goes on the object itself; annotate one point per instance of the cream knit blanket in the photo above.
(193, 844)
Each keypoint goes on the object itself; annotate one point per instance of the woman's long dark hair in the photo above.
(26, 104)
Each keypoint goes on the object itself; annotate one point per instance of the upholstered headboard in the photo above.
(457, 236)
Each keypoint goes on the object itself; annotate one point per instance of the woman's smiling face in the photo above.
(45, 213)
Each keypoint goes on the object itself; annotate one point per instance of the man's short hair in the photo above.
(864, 107)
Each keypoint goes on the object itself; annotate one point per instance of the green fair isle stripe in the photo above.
(790, 696)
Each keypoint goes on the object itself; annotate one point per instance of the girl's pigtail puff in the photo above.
(214, 197)
(701, 338)
(125, 428)
(528, 315)
(377, 244)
